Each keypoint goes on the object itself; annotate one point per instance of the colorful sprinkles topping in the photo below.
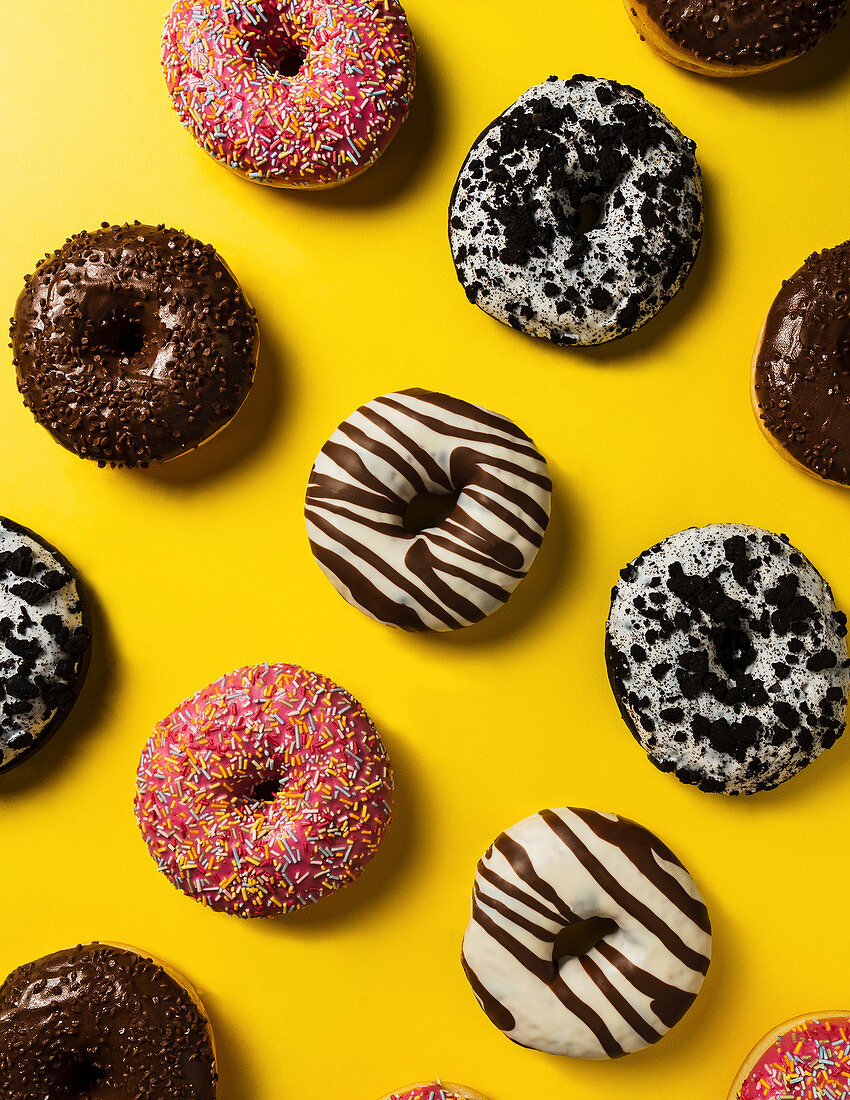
(297, 93)
(433, 1091)
(266, 790)
(811, 1061)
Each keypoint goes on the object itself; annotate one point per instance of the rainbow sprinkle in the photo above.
(266, 790)
(225, 64)
(809, 1062)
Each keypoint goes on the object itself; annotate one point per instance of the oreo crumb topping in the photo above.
(746, 674)
(133, 344)
(521, 220)
(44, 641)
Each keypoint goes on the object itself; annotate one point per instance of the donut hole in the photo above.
(120, 335)
(587, 215)
(275, 52)
(428, 510)
(577, 939)
(81, 1075)
(266, 790)
(734, 650)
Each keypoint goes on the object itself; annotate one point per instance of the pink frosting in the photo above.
(809, 1062)
(264, 791)
(225, 64)
(432, 1091)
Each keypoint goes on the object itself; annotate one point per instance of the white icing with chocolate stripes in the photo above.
(400, 446)
(559, 867)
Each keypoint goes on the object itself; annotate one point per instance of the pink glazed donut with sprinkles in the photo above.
(435, 1090)
(265, 791)
(292, 93)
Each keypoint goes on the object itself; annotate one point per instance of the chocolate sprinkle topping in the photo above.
(746, 32)
(102, 1022)
(133, 344)
(802, 371)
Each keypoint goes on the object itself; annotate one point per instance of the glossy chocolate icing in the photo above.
(802, 374)
(133, 344)
(746, 32)
(101, 1022)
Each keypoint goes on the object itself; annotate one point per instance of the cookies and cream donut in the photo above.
(733, 37)
(293, 93)
(552, 871)
(45, 641)
(800, 385)
(728, 658)
(525, 249)
(807, 1058)
(264, 791)
(133, 344)
(101, 1020)
(389, 452)
(435, 1090)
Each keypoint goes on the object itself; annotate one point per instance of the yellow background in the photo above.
(204, 565)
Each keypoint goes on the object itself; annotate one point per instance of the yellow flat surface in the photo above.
(204, 565)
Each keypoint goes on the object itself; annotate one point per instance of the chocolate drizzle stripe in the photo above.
(629, 988)
(445, 576)
(624, 898)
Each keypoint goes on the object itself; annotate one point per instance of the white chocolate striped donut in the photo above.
(553, 870)
(392, 450)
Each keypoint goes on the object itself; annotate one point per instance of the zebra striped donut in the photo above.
(561, 867)
(394, 449)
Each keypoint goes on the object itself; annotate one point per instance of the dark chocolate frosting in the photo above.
(133, 344)
(802, 375)
(102, 1022)
(746, 32)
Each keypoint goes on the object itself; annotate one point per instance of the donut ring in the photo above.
(732, 38)
(806, 1057)
(386, 454)
(728, 658)
(263, 792)
(522, 250)
(799, 380)
(110, 1013)
(133, 344)
(45, 641)
(292, 93)
(552, 871)
(435, 1090)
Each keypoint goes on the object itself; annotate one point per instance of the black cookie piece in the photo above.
(578, 213)
(728, 658)
(45, 641)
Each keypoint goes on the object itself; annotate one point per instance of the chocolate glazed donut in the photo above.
(733, 37)
(102, 1022)
(133, 344)
(801, 388)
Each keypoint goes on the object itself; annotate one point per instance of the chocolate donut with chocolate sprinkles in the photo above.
(133, 344)
(728, 658)
(45, 641)
(577, 214)
(103, 1021)
(801, 368)
(733, 37)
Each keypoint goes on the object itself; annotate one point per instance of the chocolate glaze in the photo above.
(133, 344)
(101, 1022)
(802, 374)
(746, 32)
